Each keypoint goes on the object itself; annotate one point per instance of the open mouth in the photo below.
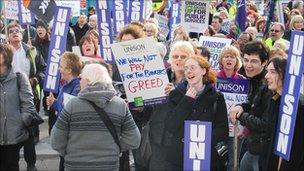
(88, 50)
(191, 77)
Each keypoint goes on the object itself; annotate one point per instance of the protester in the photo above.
(255, 60)
(276, 33)
(263, 126)
(29, 61)
(196, 99)
(180, 50)
(296, 24)
(79, 119)
(81, 27)
(17, 107)
(217, 24)
(70, 68)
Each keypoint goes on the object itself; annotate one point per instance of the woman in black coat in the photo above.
(196, 99)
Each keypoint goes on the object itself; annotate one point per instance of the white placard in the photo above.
(11, 10)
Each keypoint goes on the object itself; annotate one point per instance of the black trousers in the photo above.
(9, 157)
(29, 148)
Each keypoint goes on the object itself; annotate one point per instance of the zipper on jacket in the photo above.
(5, 122)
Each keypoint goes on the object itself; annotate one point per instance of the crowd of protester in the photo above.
(83, 139)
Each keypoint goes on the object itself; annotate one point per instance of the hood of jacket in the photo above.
(99, 93)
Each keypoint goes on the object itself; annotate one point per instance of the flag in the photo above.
(43, 9)
(241, 17)
(269, 18)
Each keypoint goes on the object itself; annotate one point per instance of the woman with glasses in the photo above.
(180, 50)
(196, 99)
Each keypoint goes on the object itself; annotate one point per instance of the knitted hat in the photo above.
(42, 24)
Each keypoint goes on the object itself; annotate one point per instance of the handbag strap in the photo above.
(107, 121)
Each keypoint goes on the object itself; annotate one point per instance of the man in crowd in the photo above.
(27, 60)
(276, 33)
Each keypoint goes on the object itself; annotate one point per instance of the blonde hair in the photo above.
(233, 51)
(73, 62)
(96, 73)
(183, 46)
(295, 18)
(151, 26)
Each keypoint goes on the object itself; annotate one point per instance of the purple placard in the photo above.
(57, 48)
(197, 145)
(105, 30)
(290, 96)
(25, 15)
(135, 12)
(228, 85)
(174, 17)
(119, 15)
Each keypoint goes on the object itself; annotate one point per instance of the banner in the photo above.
(135, 12)
(142, 71)
(235, 92)
(195, 15)
(104, 30)
(174, 17)
(25, 15)
(2, 38)
(119, 15)
(57, 48)
(73, 4)
(11, 10)
(43, 9)
(215, 46)
(197, 145)
(162, 24)
(290, 96)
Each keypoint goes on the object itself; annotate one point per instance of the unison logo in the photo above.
(134, 48)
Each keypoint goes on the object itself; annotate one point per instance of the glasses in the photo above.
(14, 31)
(277, 31)
(179, 56)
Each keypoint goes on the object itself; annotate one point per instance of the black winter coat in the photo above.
(257, 121)
(202, 108)
(296, 160)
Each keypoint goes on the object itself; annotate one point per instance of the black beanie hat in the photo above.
(42, 24)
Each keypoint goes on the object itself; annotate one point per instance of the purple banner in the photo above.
(197, 145)
(290, 96)
(25, 15)
(119, 15)
(136, 8)
(105, 30)
(57, 47)
(174, 19)
(228, 85)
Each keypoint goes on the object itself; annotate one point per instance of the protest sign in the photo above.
(290, 96)
(43, 9)
(11, 10)
(73, 4)
(174, 17)
(2, 38)
(195, 15)
(226, 25)
(25, 15)
(197, 145)
(135, 12)
(235, 92)
(57, 48)
(119, 15)
(215, 46)
(104, 30)
(141, 70)
(162, 24)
